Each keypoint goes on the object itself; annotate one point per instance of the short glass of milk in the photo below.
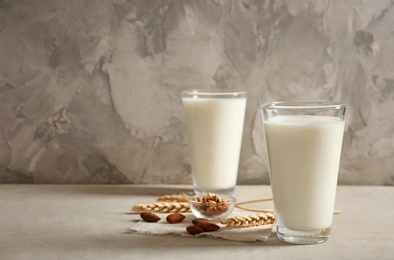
(214, 123)
(304, 143)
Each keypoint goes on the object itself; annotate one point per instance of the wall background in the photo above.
(89, 90)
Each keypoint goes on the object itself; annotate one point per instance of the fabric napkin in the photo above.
(162, 227)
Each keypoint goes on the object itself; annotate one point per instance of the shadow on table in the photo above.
(166, 241)
(154, 190)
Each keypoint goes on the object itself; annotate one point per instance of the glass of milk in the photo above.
(304, 143)
(214, 123)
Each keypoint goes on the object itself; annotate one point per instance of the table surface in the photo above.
(90, 222)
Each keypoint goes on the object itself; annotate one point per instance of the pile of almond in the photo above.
(171, 218)
(199, 226)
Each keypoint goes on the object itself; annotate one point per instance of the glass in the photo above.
(214, 123)
(304, 143)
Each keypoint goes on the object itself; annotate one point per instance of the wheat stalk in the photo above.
(254, 201)
(161, 207)
(249, 221)
(336, 212)
(182, 197)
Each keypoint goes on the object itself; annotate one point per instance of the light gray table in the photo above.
(89, 222)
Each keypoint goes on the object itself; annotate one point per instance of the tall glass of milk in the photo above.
(304, 143)
(214, 123)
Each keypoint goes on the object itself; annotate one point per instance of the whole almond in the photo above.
(194, 230)
(197, 221)
(208, 227)
(175, 218)
(149, 216)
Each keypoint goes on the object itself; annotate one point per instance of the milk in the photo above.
(304, 154)
(214, 128)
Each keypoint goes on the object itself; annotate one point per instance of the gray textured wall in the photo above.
(90, 89)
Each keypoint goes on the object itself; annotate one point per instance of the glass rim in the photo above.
(312, 104)
(200, 93)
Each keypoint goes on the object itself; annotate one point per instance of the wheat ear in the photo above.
(249, 221)
(181, 197)
(161, 207)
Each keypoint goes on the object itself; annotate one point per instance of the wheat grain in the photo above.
(161, 207)
(249, 221)
(182, 197)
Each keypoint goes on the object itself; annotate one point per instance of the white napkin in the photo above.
(162, 227)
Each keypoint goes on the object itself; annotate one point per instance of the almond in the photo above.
(194, 230)
(208, 226)
(197, 221)
(175, 218)
(149, 216)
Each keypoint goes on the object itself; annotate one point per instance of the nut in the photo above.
(210, 198)
(175, 218)
(211, 204)
(208, 227)
(194, 230)
(197, 221)
(149, 216)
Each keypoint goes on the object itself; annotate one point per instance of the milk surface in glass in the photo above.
(214, 127)
(304, 154)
